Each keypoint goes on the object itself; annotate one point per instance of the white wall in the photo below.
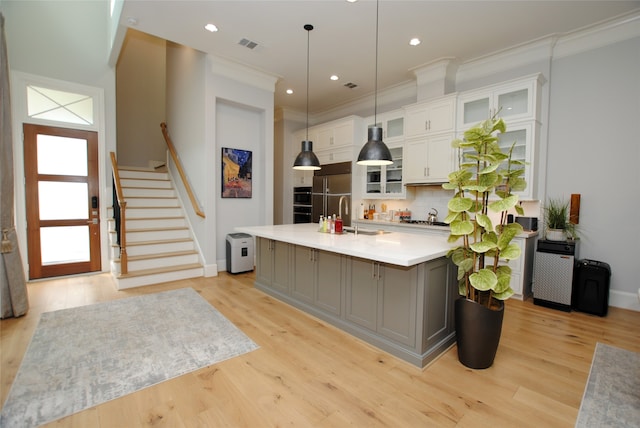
(241, 116)
(140, 98)
(594, 150)
(187, 125)
(208, 110)
(63, 44)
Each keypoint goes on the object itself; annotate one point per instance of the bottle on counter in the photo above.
(321, 224)
(332, 224)
(338, 225)
(361, 212)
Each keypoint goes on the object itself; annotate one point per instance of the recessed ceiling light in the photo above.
(352, 1)
(211, 27)
(289, 91)
(334, 77)
(414, 42)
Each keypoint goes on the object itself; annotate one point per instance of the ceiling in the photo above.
(343, 41)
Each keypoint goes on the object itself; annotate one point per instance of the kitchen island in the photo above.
(393, 290)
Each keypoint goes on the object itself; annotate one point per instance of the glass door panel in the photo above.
(395, 127)
(67, 244)
(476, 111)
(513, 103)
(393, 181)
(61, 200)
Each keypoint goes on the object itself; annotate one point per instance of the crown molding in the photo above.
(242, 73)
(609, 32)
(621, 28)
(517, 56)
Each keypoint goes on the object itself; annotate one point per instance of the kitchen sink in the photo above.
(365, 231)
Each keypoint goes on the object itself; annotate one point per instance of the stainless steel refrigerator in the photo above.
(331, 183)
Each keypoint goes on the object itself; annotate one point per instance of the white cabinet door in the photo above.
(429, 160)
(324, 139)
(430, 118)
(343, 134)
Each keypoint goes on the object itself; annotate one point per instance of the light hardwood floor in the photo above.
(309, 374)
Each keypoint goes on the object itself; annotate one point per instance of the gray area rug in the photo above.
(612, 395)
(81, 357)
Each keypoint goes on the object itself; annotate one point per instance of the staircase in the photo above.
(159, 242)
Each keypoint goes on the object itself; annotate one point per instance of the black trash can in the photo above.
(590, 292)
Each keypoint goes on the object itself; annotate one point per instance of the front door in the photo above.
(61, 172)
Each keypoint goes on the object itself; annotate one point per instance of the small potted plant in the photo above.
(556, 221)
(483, 185)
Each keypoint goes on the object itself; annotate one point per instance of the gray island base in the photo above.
(395, 291)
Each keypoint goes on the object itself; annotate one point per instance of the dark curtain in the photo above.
(13, 287)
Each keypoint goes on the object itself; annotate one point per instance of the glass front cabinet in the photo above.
(521, 135)
(386, 181)
(514, 100)
(392, 124)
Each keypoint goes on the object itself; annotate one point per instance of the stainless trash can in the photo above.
(239, 252)
(553, 273)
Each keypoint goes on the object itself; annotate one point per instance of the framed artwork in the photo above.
(236, 173)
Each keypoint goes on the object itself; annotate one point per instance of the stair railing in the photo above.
(119, 215)
(183, 176)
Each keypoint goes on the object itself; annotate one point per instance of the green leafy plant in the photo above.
(485, 182)
(556, 216)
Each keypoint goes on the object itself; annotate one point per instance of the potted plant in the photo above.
(556, 221)
(483, 185)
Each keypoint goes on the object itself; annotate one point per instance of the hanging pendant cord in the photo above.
(375, 97)
(308, 28)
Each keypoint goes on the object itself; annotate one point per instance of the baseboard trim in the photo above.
(624, 300)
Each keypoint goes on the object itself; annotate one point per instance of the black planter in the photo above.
(478, 330)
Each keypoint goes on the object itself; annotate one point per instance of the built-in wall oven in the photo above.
(302, 204)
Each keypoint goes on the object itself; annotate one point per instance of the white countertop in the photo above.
(404, 249)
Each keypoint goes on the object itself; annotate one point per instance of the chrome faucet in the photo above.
(346, 207)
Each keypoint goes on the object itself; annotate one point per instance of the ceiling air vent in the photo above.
(248, 43)
(350, 85)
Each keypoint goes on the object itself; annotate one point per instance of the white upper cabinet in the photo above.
(339, 133)
(392, 124)
(429, 160)
(514, 100)
(430, 117)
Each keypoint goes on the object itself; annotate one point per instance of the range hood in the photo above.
(419, 184)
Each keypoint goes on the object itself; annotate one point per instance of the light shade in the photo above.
(306, 159)
(374, 151)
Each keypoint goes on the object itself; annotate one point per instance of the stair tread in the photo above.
(153, 271)
(156, 229)
(146, 178)
(159, 255)
(146, 188)
(151, 197)
(151, 207)
(181, 217)
(159, 242)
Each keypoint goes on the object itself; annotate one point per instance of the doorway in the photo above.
(62, 205)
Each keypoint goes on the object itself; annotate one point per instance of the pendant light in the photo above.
(375, 151)
(306, 159)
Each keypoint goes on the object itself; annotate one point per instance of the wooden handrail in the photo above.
(123, 208)
(183, 176)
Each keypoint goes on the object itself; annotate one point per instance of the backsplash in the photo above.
(428, 197)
